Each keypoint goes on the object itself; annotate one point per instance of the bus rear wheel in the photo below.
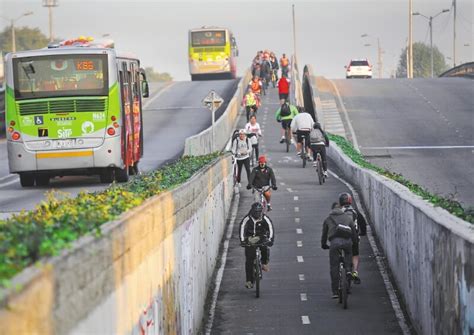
(42, 180)
(107, 176)
(27, 179)
(133, 170)
(121, 175)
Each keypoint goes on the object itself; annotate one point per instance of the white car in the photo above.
(358, 68)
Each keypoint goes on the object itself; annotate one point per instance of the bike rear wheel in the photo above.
(257, 277)
(303, 153)
(319, 170)
(344, 288)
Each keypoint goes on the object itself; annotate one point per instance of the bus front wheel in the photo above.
(107, 176)
(121, 175)
(42, 180)
(27, 179)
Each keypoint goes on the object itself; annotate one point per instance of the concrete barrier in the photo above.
(148, 273)
(296, 96)
(202, 144)
(429, 251)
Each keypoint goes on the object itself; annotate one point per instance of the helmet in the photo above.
(262, 160)
(256, 210)
(241, 131)
(345, 199)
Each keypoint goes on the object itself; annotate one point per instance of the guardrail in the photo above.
(202, 143)
(463, 70)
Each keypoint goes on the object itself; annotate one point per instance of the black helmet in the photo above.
(256, 210)
(345, 199)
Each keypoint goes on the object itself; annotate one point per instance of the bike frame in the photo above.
(260, 197)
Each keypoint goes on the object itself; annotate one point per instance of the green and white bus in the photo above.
(212, 53)
(74, 109)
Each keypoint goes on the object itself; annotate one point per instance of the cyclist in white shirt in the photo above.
(241, 149)
(252, 127)
(302, 125)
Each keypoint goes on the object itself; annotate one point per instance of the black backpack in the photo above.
(285, 110)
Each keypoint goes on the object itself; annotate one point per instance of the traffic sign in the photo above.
(213, 101)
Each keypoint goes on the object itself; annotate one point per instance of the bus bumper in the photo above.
(107, 155)
(205, 68)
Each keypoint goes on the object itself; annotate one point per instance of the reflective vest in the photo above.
(284, 61)
(250, 100)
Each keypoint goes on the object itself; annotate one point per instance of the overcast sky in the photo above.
(328, 32)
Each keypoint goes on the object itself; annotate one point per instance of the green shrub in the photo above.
(60, 220)
(451, 205)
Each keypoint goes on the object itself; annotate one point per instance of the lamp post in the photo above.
(12, 25)
(430, 22)
(50, 4)
(379, 54)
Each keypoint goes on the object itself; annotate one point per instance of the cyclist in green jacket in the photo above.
(285, 115)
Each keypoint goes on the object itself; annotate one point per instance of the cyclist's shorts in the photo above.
(300, 134)
(355, 249)
(283, 96)
(285, 124)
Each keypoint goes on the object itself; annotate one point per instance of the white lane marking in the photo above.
(297, 220)
(299, 231)
(301, 277)
(305, 320)
(303, 297)
(175, 107)
(163, 90)
(282, 184)
(9, 176)
(295, 198)
(10, 182)
(220, 272)
(297, 209)
(421, 147)
(300, 259)
(290, 190)
(351, 129)
(381, 266)
(299, 244)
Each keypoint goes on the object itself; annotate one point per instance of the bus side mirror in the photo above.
(145, 89)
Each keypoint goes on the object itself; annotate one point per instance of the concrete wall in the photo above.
(429, 251)
(148, 274)
(202, 144)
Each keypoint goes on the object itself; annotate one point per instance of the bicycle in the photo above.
(235, 171)
(260, 196)
(344, 280)
(274, 78)
(304, 153)
(257, 264)
(319, 169)
(253, 154)
(288, 139)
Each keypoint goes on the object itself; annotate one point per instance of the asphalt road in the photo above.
(172, 113)
(295, 294)
(421, 128)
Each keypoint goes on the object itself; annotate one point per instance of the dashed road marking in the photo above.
(290, 190)
(305, 320)
(295, 198)
(299, 231)
(297, 220)
(282, 184)
(301, 277)
(300, 259)
(297, 209)
(299, 244)
(303, 297)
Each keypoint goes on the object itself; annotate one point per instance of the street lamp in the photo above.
(379, 54)
(430, 22)
(12, 25)
(50, 4)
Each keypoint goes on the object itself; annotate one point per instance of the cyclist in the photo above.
(255, 85)
(266, 72)
(302, 125)
(345, 200)
(261, 176)
(319, 141)
(284, 64)
(253, 128)
(250, 103)
(283, 88)
(241, 149)
(255, 228)
(285, 115)
(339, 229)
(275, 67)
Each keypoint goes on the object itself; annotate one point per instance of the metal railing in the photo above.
(463, 70)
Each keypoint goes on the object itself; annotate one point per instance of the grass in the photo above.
(451, 205)
(60, 220)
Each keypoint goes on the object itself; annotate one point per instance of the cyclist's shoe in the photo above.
(325, 173)
(238, 185)
(355, 277)
(315, 164)
(298, 153)
(292, 141)
(282, 139)
(269, 207)
(334, 295)
(249, 285)
(308, 157)
(265, 267)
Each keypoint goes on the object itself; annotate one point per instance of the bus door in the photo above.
(127, 132)
(136, 110)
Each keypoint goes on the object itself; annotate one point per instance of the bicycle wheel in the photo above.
(303, 153)
(344, 288)
(341, 270)
(319, 170)
(257, 277)
(235, 174)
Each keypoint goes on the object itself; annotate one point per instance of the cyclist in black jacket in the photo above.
(261, 176)
(255, 228)
(345, 200)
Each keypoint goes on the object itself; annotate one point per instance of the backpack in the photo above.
(316, 136)
(285, 110)
(352, 212)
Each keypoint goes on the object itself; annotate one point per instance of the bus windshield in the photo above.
(208, 38)
(60, 76)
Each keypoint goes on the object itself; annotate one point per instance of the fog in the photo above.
(328, 33)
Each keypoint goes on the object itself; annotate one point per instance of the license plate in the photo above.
(60, 144)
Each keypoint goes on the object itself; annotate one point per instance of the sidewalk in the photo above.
(295, 294)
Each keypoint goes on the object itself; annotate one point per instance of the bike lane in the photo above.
(295, 296)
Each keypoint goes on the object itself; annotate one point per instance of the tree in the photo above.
(151, 75)
(422, 61)
(26, 39)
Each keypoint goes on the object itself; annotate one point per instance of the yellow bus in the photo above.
(212, 53)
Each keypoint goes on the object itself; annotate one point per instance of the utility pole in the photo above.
(294, 30)
(410, 40)
(379, 58)
(50, 4)
(12, 26)
(454, 33)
